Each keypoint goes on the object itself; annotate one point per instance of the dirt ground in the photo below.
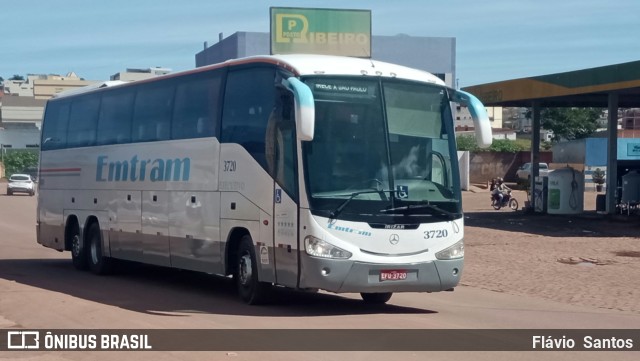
(588, 259)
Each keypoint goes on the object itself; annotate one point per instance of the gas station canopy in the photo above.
(580, 88)
(610, 86)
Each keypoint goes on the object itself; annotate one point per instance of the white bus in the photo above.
(302, 171)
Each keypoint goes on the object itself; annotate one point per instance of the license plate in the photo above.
(393, 275)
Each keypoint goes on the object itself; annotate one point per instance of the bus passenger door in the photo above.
(285, 238)
(281, 163)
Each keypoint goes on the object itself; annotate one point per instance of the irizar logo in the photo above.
(140, 170)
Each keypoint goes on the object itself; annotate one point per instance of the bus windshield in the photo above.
(382, 148)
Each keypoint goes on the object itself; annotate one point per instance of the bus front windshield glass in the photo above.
(383, 151)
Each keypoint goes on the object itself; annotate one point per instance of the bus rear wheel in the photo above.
(250, 289)
(98, 263)
(376, 298)
(78, 250)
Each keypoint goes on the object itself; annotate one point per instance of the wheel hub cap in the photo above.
(245, 272)
(75, 245)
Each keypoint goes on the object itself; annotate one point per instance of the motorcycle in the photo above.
(507, 201)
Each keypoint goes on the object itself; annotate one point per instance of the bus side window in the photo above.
(248, 102)
(280, 143)
(54, 129)
(152, 111)
(83, 120)
(197, 106)
(114, 123)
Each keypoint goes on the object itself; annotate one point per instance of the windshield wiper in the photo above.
(334, 214)
(438, 211)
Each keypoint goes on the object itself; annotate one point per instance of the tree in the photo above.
(570, 123)
(16, 77)
(506, 145)
(17, 161)
(466, 143)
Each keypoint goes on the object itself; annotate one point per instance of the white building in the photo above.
(44, 86)
(23, 88)
(463, 117)
(21, 112)
(132, 74)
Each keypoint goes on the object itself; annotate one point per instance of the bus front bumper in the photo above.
(342, 276)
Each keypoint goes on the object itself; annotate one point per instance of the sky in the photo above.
(495, 39)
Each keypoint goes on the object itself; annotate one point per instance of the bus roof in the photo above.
(88, 88)
(307, 64)
(299, 64)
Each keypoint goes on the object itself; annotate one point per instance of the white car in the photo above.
(524, 172)
(21, 183)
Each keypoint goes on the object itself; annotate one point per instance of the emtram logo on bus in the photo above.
(140, 170)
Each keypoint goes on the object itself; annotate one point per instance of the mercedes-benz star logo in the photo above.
(394, 239)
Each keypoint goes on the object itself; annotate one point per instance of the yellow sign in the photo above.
(321, 31)
(291, 28)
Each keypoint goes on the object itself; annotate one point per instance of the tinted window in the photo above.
(152, 112)
(54, 128)
(20, 178)
(248, 103)
(82, 121)
(196, 112)
(114, 123)
(281, 144)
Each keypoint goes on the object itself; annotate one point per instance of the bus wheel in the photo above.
(376, 298)
(250, 289)
(98, 263)
(78, 251)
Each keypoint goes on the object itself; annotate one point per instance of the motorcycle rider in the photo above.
(500, 190)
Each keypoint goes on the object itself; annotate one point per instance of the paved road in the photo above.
(40, 289)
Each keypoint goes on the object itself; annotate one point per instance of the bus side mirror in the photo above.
(478, 114)
(304, 108)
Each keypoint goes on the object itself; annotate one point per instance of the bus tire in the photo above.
(78, 250)
(376, 298)
(250, 289)
(98, 263)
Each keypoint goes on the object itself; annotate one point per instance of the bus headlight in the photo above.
(453, 252)
(319, 248)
